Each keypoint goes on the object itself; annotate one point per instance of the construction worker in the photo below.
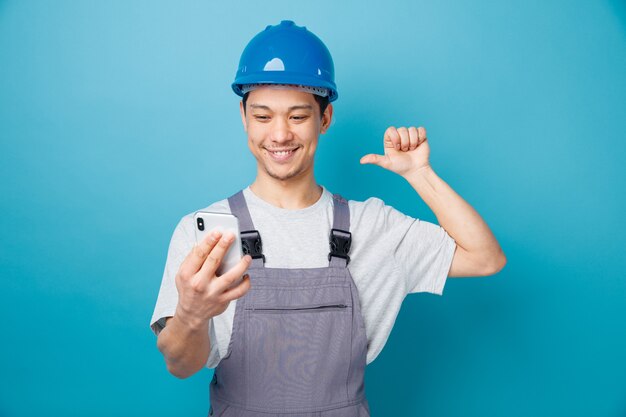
(323, 278)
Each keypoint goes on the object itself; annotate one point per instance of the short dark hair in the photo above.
(321, 101)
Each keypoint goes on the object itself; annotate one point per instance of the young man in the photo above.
(320, 296)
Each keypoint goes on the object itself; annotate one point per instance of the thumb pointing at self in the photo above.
(380, 160)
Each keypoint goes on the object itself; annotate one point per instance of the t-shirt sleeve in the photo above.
(425, 254)
(180, 245)
(422, 251)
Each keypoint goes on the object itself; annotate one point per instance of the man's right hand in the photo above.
(201, 293)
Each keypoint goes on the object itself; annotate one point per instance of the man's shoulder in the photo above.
(371, 206)
(370, 203)
(358, 208)
(374, 213)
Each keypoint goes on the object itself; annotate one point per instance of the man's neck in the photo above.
(292, 195)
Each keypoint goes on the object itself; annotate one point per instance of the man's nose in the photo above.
(281, 131)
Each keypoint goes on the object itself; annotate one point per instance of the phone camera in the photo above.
(200, 223)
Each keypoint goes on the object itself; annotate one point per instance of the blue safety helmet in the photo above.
(286, 54)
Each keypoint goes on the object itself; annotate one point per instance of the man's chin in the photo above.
(282, 176)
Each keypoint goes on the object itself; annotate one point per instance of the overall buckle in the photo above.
(251, 244)
(340, 241)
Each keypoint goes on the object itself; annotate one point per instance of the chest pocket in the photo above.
(298, 346)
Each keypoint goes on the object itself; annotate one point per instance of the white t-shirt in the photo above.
(392, 255)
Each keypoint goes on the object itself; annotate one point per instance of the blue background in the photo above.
(117, 118)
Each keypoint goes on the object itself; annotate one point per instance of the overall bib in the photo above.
(298, 345)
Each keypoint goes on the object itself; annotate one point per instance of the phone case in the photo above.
(205, 222)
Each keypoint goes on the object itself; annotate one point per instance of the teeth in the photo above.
(282, 153)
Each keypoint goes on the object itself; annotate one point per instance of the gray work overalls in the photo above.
(298, 345)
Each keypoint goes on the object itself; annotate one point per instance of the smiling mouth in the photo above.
(282, 155)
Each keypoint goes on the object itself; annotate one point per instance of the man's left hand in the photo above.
(406, 151)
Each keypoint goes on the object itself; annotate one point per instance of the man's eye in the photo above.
(299, 117)
(261, 117)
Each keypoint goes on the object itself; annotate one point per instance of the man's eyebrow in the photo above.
(259, 106)
(292, 108)
(301, 107)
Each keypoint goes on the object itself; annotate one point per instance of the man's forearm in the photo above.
(184, 347)
(455, 215)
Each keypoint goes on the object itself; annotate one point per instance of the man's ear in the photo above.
(327, 117)
(243, 116)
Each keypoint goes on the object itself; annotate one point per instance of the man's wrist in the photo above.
(419, 175)
(188, 322)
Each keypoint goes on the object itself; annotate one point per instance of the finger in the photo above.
(413, 138)
(233, 274)
(215, 257)
(404, 138)
(387, 143)
(391, 135)
(194, 260)
(238, 291)
(421, 132)
(380, 160)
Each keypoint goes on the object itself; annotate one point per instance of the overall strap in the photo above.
(340, 237)
(250, 238)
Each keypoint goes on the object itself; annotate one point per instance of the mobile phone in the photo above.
(206, 222)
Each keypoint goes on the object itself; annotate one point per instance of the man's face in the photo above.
(283, 128)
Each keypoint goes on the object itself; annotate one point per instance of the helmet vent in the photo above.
(318, 91)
